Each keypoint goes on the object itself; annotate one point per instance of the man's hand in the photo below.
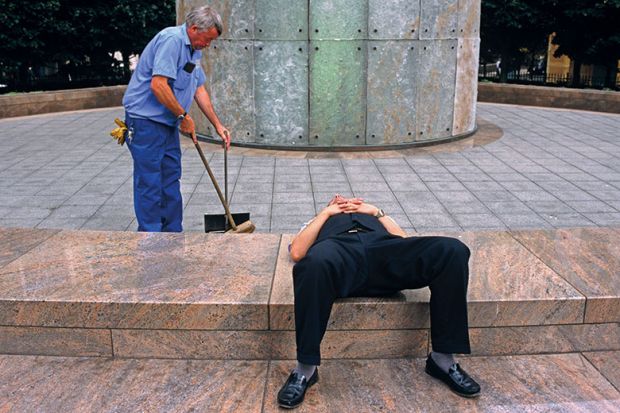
(188, 127)
(334, 209)
(357, 205)
(224, 134)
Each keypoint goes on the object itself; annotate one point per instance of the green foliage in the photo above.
(589, 31)
(511, 29)
(78, 33)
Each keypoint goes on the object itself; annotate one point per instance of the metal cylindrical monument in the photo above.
(343, 73)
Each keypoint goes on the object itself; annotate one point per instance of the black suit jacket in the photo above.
(340, 223)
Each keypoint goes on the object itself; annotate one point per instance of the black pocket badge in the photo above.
(189, 67)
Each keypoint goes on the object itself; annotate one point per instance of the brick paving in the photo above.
(550, 169)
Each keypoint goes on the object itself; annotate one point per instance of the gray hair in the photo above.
(204, 18)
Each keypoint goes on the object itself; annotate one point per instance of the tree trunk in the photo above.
(126, 70)
(503, 75)
(612, 73)
(576, 73)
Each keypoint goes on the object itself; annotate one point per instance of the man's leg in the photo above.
(172, 201)
(331, 269)
(442, 264)
(147, 149)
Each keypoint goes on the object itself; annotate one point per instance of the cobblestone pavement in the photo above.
(551, 169)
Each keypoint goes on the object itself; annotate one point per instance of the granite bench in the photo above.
(214, 296)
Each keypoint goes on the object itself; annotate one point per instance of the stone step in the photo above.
(210, 296)
(581, 382)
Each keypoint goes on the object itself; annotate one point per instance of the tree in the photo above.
(77, 35)
(29, 30)
(588, 32)
(511, 29)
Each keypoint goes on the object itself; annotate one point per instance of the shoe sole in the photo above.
(469, 396)
(284, 406)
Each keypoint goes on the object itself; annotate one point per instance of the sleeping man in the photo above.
(352, 248)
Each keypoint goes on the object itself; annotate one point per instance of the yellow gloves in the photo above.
(119, 133)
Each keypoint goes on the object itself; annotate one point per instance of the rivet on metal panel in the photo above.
(316, 30)
(260, 48)
(373, 136)
(248, 133)
(375, 30)
(262, 135)
(409, 134)
(357, 136)
(316, 136)
(359, 30)
(316, 48)
(300, 137)
(374, 48)
(359, 48)
(260, 30)
(301, 50)
(300, 30)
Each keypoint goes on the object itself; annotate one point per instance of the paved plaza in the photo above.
(550, 169)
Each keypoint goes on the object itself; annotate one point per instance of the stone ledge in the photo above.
(170, 295)
(555, 97)
(35, 103)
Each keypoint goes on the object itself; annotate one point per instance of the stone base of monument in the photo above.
(223, 308)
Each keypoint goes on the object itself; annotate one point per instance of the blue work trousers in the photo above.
(156, 154)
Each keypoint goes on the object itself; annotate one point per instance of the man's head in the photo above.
(203, 25)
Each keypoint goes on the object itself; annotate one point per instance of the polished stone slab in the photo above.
(15, 242)
(509, 286)
(549, 383)
(55, 341)
(407, 310)
(58, 384)
(608, 364)
(545, 339)
(266, 345)
(141, 280)
(589, 259)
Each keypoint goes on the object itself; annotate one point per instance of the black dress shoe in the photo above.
(456, 378)
(292, 393)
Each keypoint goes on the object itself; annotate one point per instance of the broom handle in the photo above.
(217, 187)
(226, 174)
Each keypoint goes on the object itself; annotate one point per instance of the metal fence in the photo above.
(75, 79)
(525, 77)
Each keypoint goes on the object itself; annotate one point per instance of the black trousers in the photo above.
(372, 264)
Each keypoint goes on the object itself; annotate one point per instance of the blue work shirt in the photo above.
(167, 54)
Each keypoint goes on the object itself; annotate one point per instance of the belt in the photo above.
(356, 230)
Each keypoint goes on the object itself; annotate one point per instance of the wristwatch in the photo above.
(380, 213)
(182, 116)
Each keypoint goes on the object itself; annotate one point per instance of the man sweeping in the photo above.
(159, 94)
